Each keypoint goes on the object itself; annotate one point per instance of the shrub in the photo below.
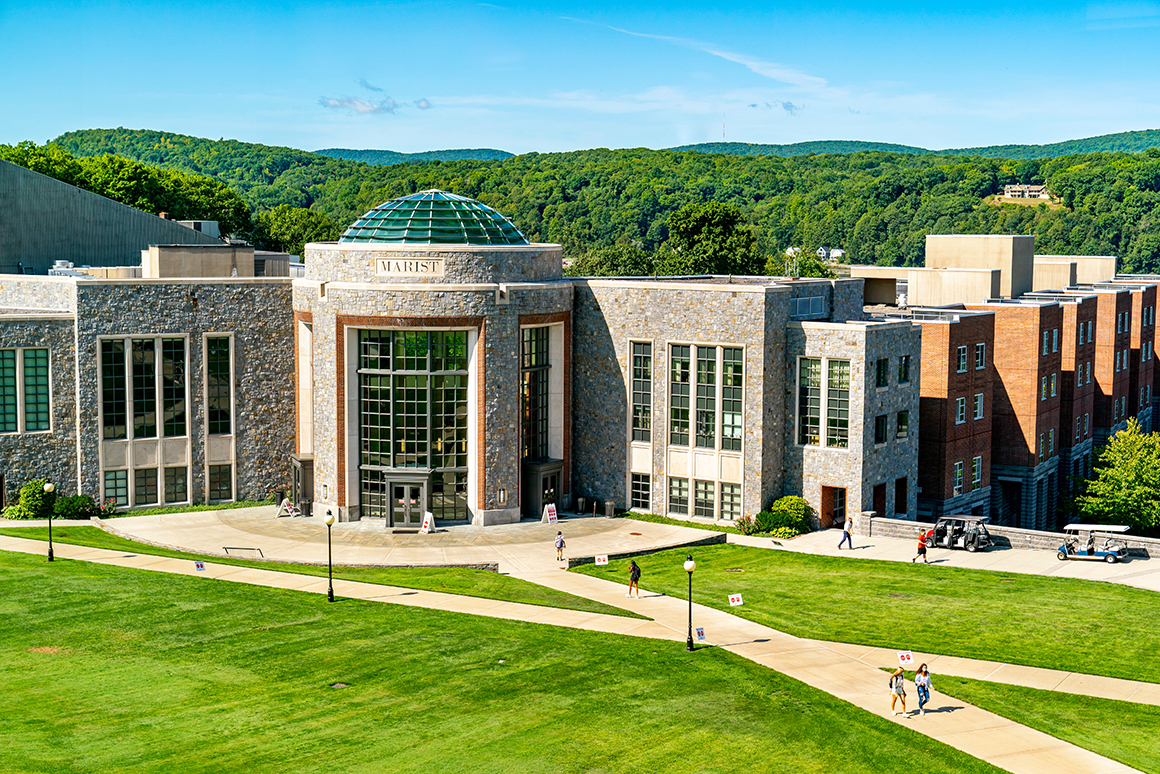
(109, 507)
(788, 513)
(746, 525)
(34, 502)
(784, 533)
(75, 507)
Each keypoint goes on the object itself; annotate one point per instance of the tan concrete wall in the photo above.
(930, 287)
(1089, 269)
(1054, 275)
(112, 272)
(1013, 255)
(189, 261)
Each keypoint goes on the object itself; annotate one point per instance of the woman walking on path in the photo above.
(633, 578)
(897, 690)
(921, 547)
(922, 685)
(559, 546)
(847, 533)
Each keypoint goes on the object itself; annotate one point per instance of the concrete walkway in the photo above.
(1140, 572)
(982, 734)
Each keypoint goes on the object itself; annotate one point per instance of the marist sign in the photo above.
(409, 267)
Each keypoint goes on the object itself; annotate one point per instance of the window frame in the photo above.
(957, 481)
(960, 410)
(962, 360)
(20, 389)
(976, 471)
(978, 408)
(980, 355)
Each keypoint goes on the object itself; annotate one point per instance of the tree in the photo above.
(807, 265)
(288, 229)
(615, 261)
(710, 238)
(1126, 489)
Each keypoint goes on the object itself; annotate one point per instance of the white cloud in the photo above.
(359, 105)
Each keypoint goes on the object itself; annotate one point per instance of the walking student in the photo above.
(897, 690)
(559, 546)
(847, 533)
(633, 578)
(922, 686)
(921, 548)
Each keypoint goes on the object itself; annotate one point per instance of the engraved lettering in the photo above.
(397, 267)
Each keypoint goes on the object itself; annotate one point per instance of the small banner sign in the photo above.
(735, 600)
(700, 633)
(428, 524)
(199, 566)
(905, 658)
(550, 512)
(602, 560)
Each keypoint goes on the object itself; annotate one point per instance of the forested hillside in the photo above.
(386, 157)
(1123, 142)
(878, 206)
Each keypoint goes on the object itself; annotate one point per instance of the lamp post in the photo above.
(690, 565)
(49, 488)
(329, 519)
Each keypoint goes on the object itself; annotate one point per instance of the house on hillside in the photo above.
(1026, 192)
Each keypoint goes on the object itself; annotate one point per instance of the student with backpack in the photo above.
(559, 546)
(897, 690)
(633, 578)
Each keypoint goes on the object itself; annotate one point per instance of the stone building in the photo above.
(444, 364)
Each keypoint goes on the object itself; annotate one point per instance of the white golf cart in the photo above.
(1083, 543)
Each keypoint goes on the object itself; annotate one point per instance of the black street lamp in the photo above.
(329, 519)
(49, 488)
(690, 565)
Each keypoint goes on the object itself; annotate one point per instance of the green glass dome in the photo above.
(434, 218)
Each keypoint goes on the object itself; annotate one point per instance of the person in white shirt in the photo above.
(847, 533)
(922, 685)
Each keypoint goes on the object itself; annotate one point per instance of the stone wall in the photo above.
(259, 315)
(333, 306)
(609, 315)
(37, 294)
(463, 264)
(51, 454)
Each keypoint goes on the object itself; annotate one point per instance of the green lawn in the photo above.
(471, 583)
(107, 669)
(1059, 623)
(1119, 730)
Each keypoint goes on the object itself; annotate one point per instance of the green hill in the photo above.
(387, 158)
(877, 205)
(1123, 142)
(799, 148)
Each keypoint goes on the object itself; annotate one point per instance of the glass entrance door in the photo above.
(408, 502)
(551, 482)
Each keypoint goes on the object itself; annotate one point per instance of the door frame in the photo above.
(424, 484)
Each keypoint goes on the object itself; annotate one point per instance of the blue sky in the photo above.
(555, 76)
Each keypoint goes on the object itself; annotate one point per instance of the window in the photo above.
(1117, 362)
(145, 486)
(978, 405)
(679, 395)
(144, 390)
(880, 425)
(1046, 339)
(173, 386)
(1119, 322)
(679, 495)
(1041, 447)
(904, 369)
(535, 367)
(1085, 424)
(641, 391)
(807, 307)
(1089, 373)
(218, 385)
(980, 355)
(706, 397)
(732, 377)
(1043, 389)
(976, 471)
(1078, 423)
(176, 485)
(1053, 376)
(641, 491)
(113, 392)
(903, 425)
(704, 499)
(730, 502)
(958, 490)
(962, 359)
(1051, 442)
(1091, 324)
(133, 373)
(24, 382)
(221, 484)
(960, 410)
(838, 404)
(882, 373)
(117, 486)
(413, 411)
(809, 401)
(1055, 339)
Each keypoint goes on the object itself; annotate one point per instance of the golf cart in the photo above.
(1081, 543)
(960, 531)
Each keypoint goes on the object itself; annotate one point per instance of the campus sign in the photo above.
(409, 267)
